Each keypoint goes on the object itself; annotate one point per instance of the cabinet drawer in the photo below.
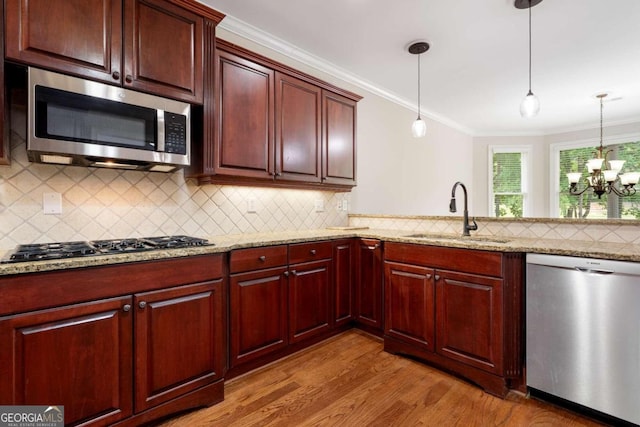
(305, 252)
(464, 260)
(258, 258)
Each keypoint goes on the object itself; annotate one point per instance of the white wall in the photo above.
(397, 174)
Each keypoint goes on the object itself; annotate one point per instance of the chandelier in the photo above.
(601, 180)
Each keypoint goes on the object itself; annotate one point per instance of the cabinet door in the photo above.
(258, 312)
(244, 140)
(79, 356)
(179, 341)
(163, 49)
(343, 273)
(82, 37)
(469, 320)
(298, 141)
(309, 313)
(409, 308)
(369, 284)
(339, 139)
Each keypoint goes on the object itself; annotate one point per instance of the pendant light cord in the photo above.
(419, 85)
(529, 46)
(601, 98)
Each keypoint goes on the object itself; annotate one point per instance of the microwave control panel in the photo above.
(175, 133)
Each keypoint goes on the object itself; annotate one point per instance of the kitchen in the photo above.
(103, 203)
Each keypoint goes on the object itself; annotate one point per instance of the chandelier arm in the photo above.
(573, 190)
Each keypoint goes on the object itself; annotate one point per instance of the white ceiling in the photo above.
(475, 74)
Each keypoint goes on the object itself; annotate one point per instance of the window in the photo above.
(508, 186)
(572, 158)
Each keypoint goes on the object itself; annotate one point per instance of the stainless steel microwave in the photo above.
(73, 121)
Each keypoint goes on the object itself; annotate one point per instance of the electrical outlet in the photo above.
(251, 206)
(345, 205)
(52, 203)
(339, 207)
(319, 205)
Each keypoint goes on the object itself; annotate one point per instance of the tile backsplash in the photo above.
(610, 231)
(106, 203)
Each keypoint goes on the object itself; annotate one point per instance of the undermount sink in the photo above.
(433, 236)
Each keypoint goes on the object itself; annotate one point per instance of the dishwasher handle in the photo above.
(593, 270)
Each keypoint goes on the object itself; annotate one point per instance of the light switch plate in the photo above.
(319, 205)
(52, 203)
(251, 206)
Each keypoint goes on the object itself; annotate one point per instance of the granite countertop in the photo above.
(614, 251)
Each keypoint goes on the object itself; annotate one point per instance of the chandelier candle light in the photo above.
(604, 181)
(419, 127)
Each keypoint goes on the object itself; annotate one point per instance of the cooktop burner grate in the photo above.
(60, 250)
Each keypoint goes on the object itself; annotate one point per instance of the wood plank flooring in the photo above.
(349, 380)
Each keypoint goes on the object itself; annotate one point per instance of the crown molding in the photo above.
(256, 35)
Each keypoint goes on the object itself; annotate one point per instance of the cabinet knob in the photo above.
(262, 258)
(142, 304)
(372, 248)
(128, 78)
(312, 251)
(278, 174)
(437, 277)
(293, 272)
(286, 274)
(126, 307)
(115, 75)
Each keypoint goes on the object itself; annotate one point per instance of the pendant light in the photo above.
(530, 105)
(419, 127)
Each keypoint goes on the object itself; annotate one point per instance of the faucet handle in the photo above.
(473, 226)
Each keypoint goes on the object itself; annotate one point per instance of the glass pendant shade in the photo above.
(419, 128)
(530, 105)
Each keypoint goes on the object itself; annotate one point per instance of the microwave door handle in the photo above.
(161, 136)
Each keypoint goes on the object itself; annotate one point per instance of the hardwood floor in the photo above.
(349, 380)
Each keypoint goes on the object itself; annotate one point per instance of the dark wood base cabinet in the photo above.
(285, 298)
(369, 290)
(459, 309)
(132, 342)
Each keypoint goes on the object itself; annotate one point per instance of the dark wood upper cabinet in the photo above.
(5, 142)
(298, 131)
(82, 37)
(272, 125)
(163, 46)
(339, 144)
(150, 45)
(244, 139)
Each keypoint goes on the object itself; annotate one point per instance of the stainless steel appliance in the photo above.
(59, 250)
(583, 332)
(74, 121)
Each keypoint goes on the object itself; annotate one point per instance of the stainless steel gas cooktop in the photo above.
(49, 251)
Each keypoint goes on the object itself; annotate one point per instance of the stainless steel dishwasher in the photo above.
(583, 332)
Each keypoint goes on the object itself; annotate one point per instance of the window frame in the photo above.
(554, 162)
(525, 171)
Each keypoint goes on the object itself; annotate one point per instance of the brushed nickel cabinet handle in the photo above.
(437, 277)
(142, 304)
(126, 307)
(262, 258)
